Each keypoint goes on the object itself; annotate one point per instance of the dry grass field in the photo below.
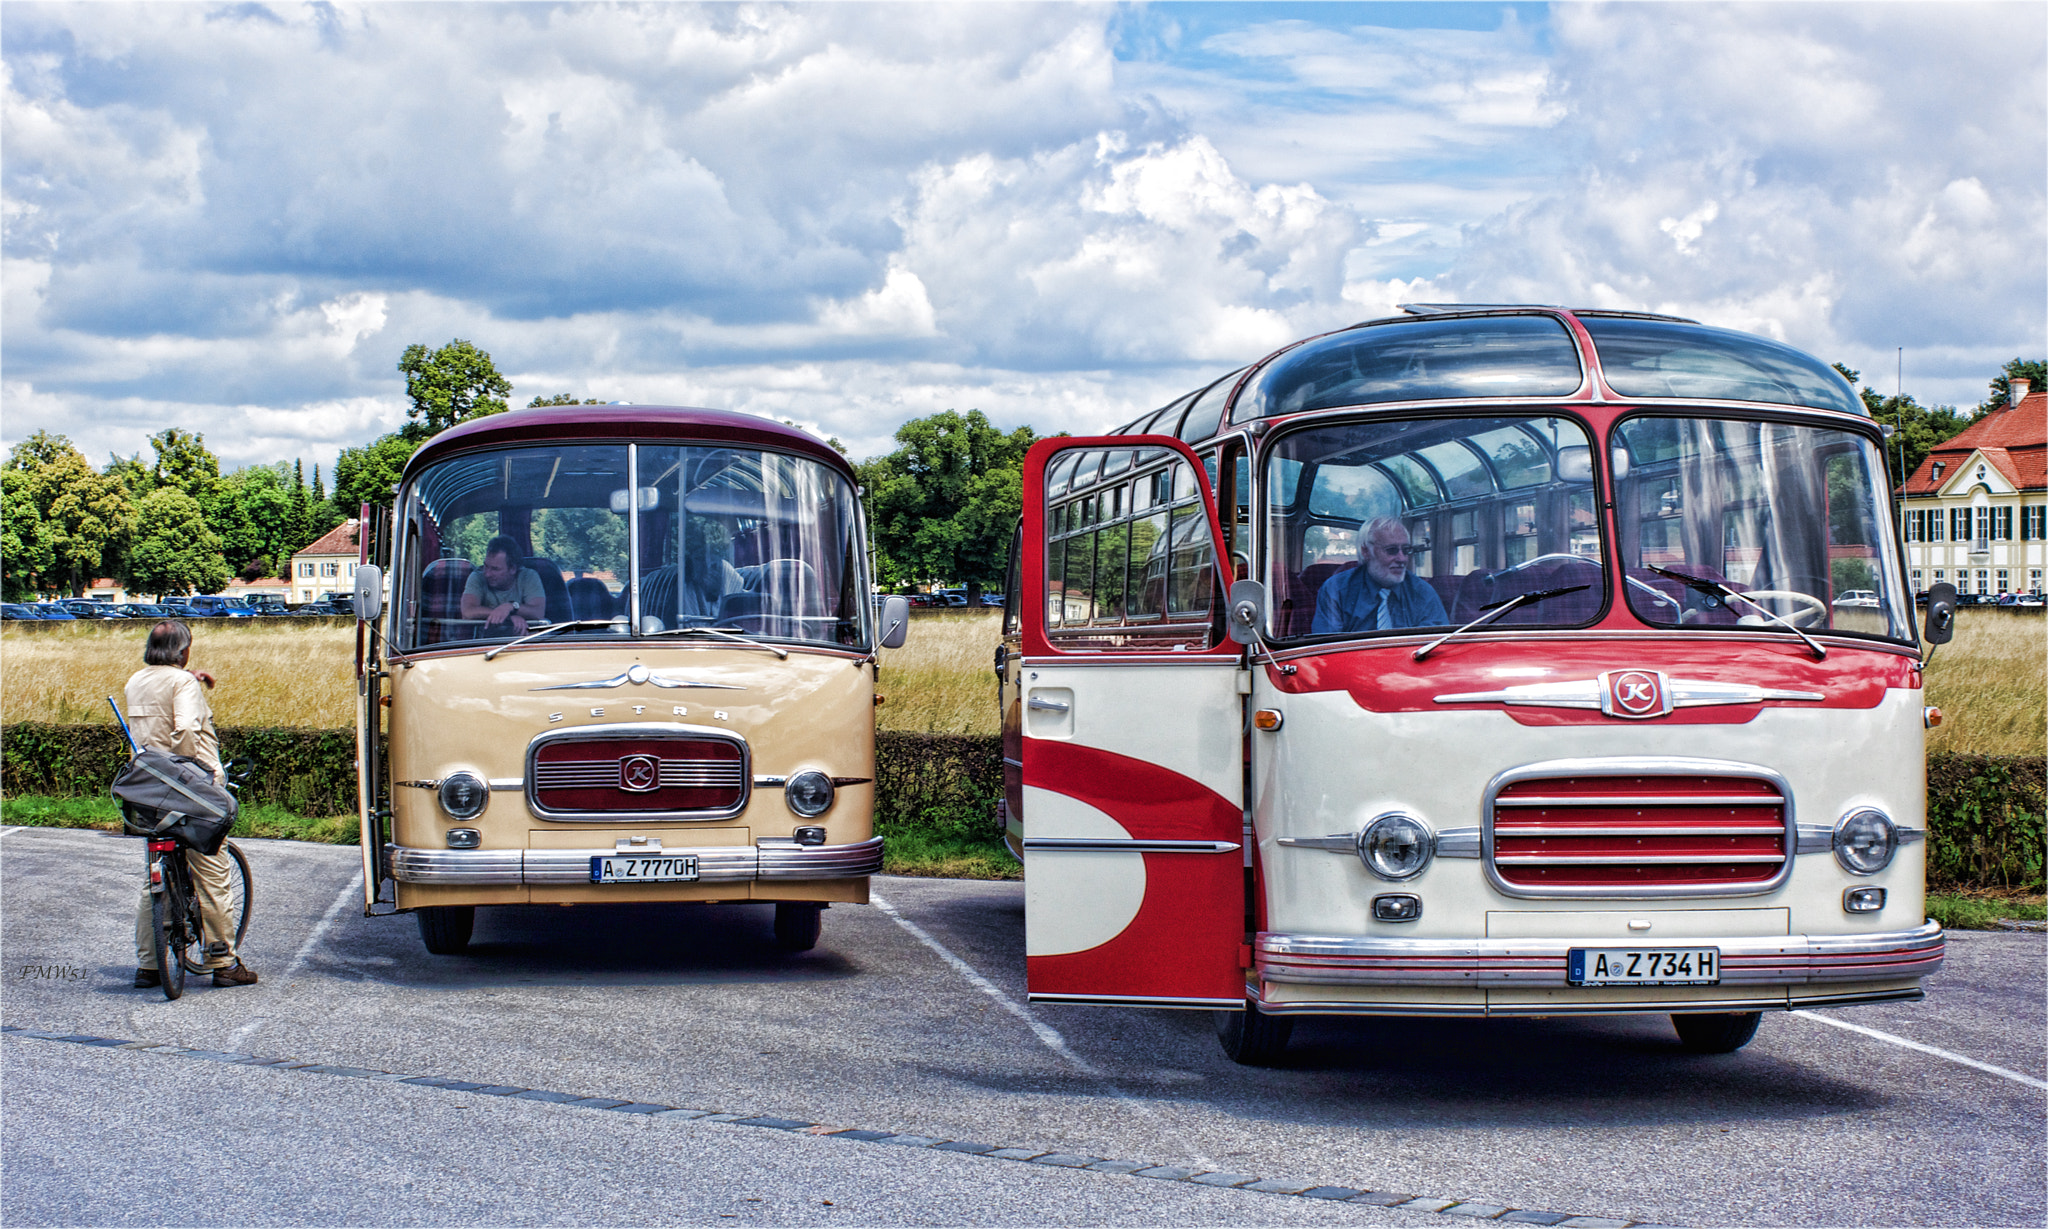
(268, 672)
(943, 679)
(1991, 685)
(1991, 682)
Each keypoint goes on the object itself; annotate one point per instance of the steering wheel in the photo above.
(1811, 606)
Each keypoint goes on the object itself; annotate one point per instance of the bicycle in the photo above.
(176, 929)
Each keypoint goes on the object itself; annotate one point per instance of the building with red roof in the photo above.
(1977, 508)
(327, 565)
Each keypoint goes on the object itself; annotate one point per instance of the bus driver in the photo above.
(1385, 593)
(503, 589)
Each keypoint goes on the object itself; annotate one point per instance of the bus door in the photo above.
(1132, 743)
(373, 554)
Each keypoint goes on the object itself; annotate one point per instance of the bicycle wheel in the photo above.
(241, 891)
(170, 966)
(186, 933)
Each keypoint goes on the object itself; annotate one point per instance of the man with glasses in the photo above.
(1383, 595)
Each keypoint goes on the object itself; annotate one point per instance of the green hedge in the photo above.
(1985, 821)
(1985, 814)
(311, 772)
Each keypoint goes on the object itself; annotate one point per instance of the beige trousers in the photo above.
(211, 876)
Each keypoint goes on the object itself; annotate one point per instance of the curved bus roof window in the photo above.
(1206, 414)
(1418, 360)
(1659, 358)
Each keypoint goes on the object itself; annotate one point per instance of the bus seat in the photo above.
(589, 598)
(441, 601)
(552, 588)
(785, 601)
(1297, 607)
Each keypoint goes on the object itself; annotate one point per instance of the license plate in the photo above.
(644, 869)
(1632, 966)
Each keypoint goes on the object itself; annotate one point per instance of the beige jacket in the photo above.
(167, 710)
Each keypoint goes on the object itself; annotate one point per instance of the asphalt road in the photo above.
(908, 1021)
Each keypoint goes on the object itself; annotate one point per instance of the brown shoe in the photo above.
(146, 978)
(236, 974)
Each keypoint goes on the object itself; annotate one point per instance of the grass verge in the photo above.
(1983, 910)
(260, 820)
(939, 855)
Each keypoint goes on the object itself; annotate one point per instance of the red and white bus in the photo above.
(1531, 687)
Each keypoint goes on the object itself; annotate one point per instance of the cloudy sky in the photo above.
(234, 217)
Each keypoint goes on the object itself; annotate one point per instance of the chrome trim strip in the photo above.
(631, 730)
(1588, 693)
(508, 783)
(1769, 960)
(638, 674)
(1338, 842)
(782, 858)
(771, 859)
(1458, 843)
(1633, 766)
(1815, 838)
(1122, 845)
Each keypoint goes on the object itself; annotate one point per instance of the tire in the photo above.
(797, 925)
(1252, 1037)
(1716, 1033)
(241, 891)
(170, 970)
(445, 929)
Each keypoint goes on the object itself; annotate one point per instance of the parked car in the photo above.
(215, 605)
(86, 608)
(19, 611)
(992, 599)
(1857, 597)
(265, 606)
(51, 612)
(313, 610)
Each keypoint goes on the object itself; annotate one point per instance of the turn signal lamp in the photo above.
(1399, 907)
(1863, 900)
(1267, 719)
(464, 838)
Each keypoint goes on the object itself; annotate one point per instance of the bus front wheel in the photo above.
(797, 925)
(1716, 1033)
(1252, 1037)
(445, 929)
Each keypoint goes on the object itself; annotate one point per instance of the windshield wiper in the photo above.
(1723, 592)
(1494, 611)
(727, 633)
(550, 630)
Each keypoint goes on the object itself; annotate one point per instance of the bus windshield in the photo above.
(1791, 518)
(500, 543)
(1386, 526)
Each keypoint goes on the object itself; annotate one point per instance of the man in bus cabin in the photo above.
(504, 590)
(1385, 593)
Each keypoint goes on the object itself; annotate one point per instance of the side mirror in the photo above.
(1941, 613)
(1247, 612)
(895, 621)
(369, 592)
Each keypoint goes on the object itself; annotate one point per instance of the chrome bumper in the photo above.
(1775, 960)
(768, 859)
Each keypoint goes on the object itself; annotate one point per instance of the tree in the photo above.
(86, 518)
(562, 399)
(26, 549)
(366, 475)
(945, 505)
(184, 461)
(255, 519)
(177, 551)
(448, 386)
(2034, 371)
(1916, 430)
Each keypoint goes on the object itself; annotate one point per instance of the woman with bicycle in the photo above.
(167, 710)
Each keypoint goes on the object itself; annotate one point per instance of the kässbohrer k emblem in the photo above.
(1634, 693)
(639, 773)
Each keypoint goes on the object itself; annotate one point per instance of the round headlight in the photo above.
(1865, 842)
(1396, 847)
(809, 793)
(464, 794)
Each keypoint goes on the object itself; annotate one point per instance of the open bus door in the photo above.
(1132, 749)
(373, 554)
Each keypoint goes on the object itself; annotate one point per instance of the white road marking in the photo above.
(352, 892)
(2015, 1076)
(8, 831)
(1045, 1033)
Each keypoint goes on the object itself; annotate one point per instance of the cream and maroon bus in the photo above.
(1529, 687)
(628, 654)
